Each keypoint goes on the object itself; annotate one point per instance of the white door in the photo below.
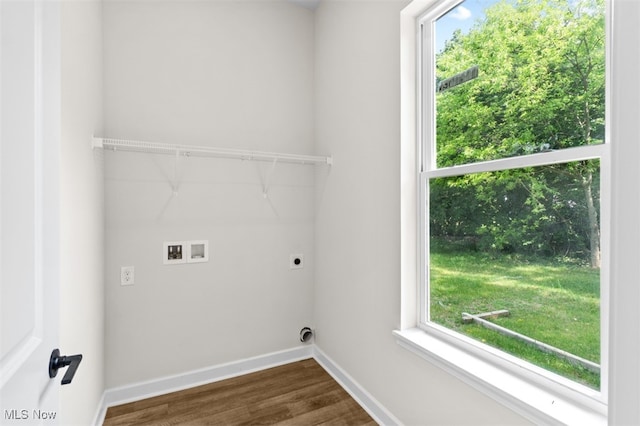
(29, 271)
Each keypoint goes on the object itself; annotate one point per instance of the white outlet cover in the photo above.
(296, 261)
(127, 275)
(197, 251)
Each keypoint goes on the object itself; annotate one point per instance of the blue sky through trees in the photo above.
(461, 17)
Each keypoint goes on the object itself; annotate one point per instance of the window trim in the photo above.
(523, 395)
(506, 382)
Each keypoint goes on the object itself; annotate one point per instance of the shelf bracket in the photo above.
(267, 181)
(174, 182)
(96, 143)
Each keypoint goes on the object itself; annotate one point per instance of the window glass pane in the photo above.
(515, 77)
(526, 241)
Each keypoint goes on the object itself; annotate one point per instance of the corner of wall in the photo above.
(82, 209)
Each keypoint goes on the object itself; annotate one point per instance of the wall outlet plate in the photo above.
(127, 275)
(296, 261)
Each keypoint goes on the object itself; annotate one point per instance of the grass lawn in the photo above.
(556, 303)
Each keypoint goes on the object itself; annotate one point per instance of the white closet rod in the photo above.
(205, 151)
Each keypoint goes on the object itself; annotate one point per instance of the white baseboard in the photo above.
(98, 419)
(377, 411)
(164, 385)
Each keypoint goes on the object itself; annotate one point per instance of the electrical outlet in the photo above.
(296, 261)
(127, 275)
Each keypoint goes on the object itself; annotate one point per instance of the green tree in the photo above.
(540, 87)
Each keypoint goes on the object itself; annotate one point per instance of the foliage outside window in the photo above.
(512, 177)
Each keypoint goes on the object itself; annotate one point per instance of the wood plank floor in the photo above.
(300, 393)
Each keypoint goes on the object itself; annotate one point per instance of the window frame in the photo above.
(439, 344)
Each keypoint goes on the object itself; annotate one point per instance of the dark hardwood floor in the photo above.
(300, 393)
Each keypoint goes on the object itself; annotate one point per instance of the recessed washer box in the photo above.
(174, 252)
(198, 251)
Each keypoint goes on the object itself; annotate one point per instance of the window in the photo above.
(514, 167)
(533, 392)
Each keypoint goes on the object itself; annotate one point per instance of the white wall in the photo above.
(82, 210)
(228, 74)
(357, 292)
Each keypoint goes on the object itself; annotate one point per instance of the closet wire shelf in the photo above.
(205, 151)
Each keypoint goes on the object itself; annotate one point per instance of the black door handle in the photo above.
(56, 361)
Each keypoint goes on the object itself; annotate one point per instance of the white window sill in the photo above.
(535, 403)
